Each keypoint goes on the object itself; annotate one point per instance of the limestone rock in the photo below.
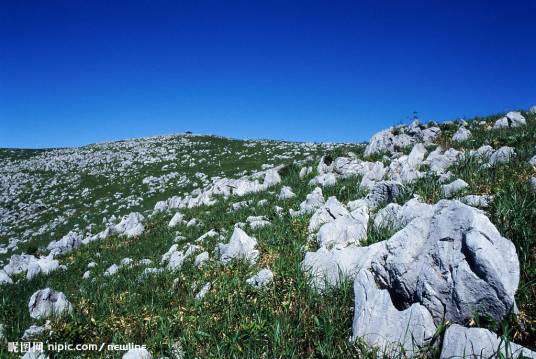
(47, 303)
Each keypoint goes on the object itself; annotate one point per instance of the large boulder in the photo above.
(383, 192)
(240, 246)
(344, 230)
(386, 141)
(312, 201)
(394, 217)
(131, 225)
(502, 155)
(381, 325)
(47, 302)
(439, 160)
(44, 265)
(454, 262)
(4, 278)
(461, 342)
(461, 135)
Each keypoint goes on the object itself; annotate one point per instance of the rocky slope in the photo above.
(417, 244)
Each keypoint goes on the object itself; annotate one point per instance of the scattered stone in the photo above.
(324, 180)
(313, 200)
(261, 279)
(256, 222)
(4, 278)
(473, 200)
(383, 192)
(47, 302)
(305, 171)
(203, 292)
(131, 225)
(86, 275)
(512, 119)
(177, 219)
(286, 193)
(461, 135)
(137, 353)
(111, 270)
(201, 259)
(34, 331)
(449, 190)
(330, 211)
(502, 155)
(66, 244)
(344, 230)
(240, 246)
(439, 160)
(532, 161)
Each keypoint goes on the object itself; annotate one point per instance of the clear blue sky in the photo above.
(77, 72)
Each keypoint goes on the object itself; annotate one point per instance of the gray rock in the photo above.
(177, 219)
(201, 259)
(344, 230)
(439, 160)
(111, 270)
(483, 152)
(4, 278)
(286, 193)
(47, 303)
(330, 211)
(482, 201)
(33, 331)
(256, 222)
(532, 109)
(330, 266)
(394, 217)
(502, 155)
(461, 135)
(324, 180)
(454, 262)
(203, 291)
(137, 353)
(261, 279)
(461, 342)
(381, 325)
(386, 141)
(512, 119)
(66, 244)
(131, 225)
(533, 183)
(312, 201)
(240, 246)
(383, 192)
(532, 161)
(449, 190)
(44, 265)
(305, 171)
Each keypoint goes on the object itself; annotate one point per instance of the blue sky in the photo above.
(77, 72)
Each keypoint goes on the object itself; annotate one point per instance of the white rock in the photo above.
(177, 218)
(137, 353)
(512, 119)
(261, 279)
(461, 135)
(256, 222)
(286, 193)
(452, 188)
(4, 278)
(201, 259)
(330, 211)
(240, 246)
(47, 302)
(204, 291)
(111, 270)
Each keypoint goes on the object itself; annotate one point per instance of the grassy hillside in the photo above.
(50, 192)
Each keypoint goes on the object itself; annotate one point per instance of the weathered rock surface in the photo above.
(461, 135)
(66, 244)
(330, 211)
(240, 246)
(461, 342)
(47, 303)
(381, 325)
(512, 119)
(261, 279)
(344, 230)
(454, 262)
(449, 190)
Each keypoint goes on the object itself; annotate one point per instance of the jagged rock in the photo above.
(131, 225)
(257, 222)
(393, 216)
(286, 193)
(439, 160)
(45, 265)
(473, 200)
(66, 244)
(201, 259)
(532, 109)
(344, 230)
(461, 342)
(18, 263)
(449, 190)
(86, 275)
(305, 171)
(502, 155)
(34, 331)
(461, 135)
(383, 192)
(111, 270)
(330, 211)
(381, 325)
(386, 141)
(483, 152)
(330, 266)
(416, 156)
(47, 303)
(209, 234)
(137, 353)
(532, 161)
(177, 218)
(4, 278)
(454, 262)
(429, 135)
(261, 279)
(204, 291)
(240, 246)
(312, 201)
(324, 180)
(512, 119)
